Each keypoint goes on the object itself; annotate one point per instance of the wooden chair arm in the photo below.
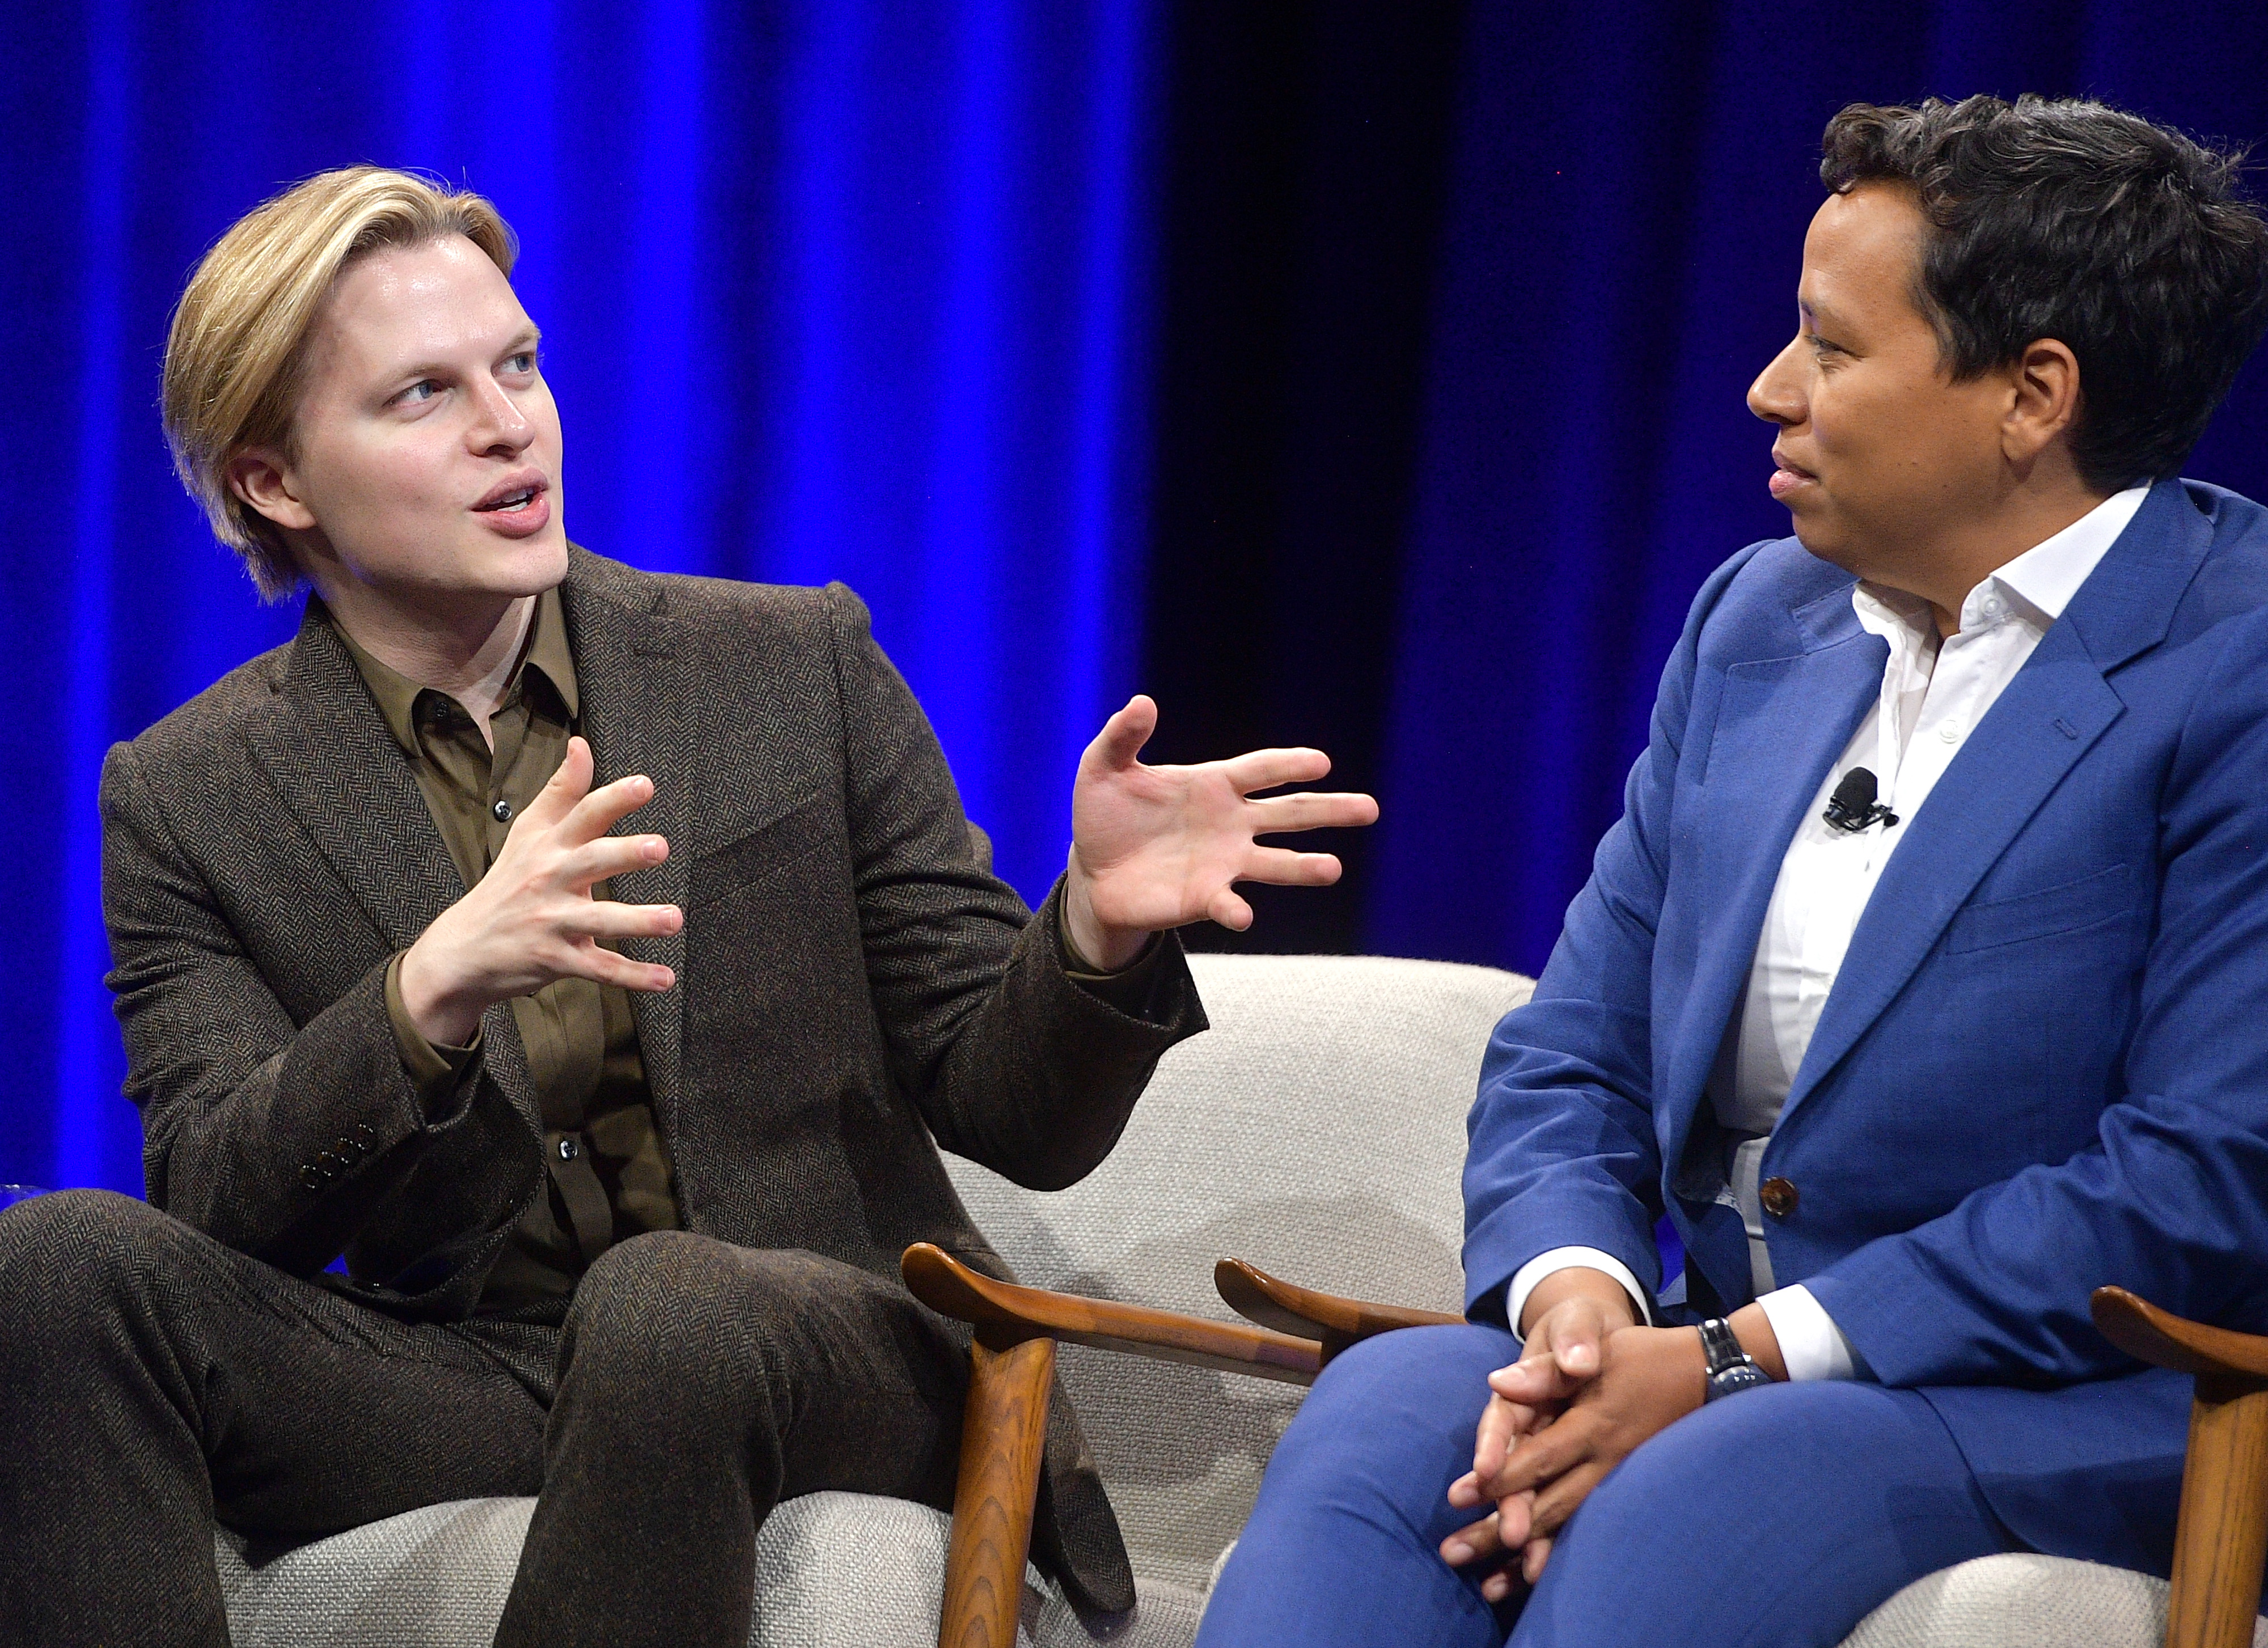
(2164, 1340)
(2222, 1535)
(1005, 1313)
(1003, 1423)
(1302, 1312)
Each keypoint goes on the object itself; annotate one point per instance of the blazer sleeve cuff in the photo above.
(435, 1070)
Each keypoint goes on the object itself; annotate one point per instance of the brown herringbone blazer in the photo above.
(851, 983)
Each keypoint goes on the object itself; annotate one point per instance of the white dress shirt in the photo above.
(1932, 696)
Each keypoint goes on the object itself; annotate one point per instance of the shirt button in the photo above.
(503, 811)
(568, 1150)
(1949, 730)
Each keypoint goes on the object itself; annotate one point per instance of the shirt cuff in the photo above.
(1128, 989)
(433, 1069)
(1810, 1343)
(1525, 1278)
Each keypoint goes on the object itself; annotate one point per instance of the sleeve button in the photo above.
(1778, 1196)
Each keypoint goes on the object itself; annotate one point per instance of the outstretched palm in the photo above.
(1156, 847)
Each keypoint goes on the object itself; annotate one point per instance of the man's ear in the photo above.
(2046, 403)
(259, 476)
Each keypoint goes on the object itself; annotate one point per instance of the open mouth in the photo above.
(520, 499)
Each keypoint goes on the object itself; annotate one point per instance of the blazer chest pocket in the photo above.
(738, 865)
(2093, 900)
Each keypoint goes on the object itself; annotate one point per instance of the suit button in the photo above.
(311, 1176)
(568, 1150)
(1778, 1195)
(367, 1133)
(503, 812)
(346, 1147)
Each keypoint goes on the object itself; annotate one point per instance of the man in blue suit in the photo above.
(1923, 983)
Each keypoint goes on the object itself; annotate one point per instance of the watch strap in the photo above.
(1720, 1345)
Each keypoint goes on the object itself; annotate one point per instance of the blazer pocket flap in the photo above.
(2073, 907)
(724, 871)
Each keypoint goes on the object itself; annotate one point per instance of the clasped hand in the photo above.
(1589, 1387)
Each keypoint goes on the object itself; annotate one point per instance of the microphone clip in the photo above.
(1853, 807)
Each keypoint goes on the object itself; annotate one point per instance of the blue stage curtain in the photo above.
(842, 289)
(1626, 216)
(831, 289)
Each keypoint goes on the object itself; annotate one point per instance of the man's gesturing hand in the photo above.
(1158, 847)
(532, 919)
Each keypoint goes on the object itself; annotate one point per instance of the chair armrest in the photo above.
(2164, 1340)
(1005, 1313)
(1289, 1308)
(2222, 1534)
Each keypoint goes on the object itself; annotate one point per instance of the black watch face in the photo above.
(1741, 1376)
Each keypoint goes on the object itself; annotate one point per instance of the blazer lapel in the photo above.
(334, 764)
(634, 702)
(1780, 726)
(2048, 718)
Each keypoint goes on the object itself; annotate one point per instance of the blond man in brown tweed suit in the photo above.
(590, 958)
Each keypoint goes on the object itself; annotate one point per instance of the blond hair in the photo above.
(237, 349)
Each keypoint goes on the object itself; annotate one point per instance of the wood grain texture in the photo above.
(1003, 1432)
(1005, 1311)
(2223, 1533)
(2164, 1340)
(1288, 1308)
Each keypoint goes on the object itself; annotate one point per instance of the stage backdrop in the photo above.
(1355, 375)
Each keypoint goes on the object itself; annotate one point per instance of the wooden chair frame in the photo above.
(1293, 1332)
(2219, 1543)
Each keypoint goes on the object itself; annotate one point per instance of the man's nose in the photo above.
(1776, 395)
(499, 421)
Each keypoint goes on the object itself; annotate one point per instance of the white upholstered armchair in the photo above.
(1318, 1132)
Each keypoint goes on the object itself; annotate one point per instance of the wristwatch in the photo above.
(1730, 1368)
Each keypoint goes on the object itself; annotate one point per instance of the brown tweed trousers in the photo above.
(853, 984)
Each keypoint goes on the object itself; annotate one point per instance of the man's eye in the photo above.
(523, 362)
(425, 389)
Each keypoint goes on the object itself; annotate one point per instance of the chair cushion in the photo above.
(1318, 1130)
(2024, 1601)
(833, 1570)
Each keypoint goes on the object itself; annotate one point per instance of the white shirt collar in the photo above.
(2045, 578)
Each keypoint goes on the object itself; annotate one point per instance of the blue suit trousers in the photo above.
(1775, 1518)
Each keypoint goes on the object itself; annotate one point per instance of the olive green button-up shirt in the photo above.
(608, 1174)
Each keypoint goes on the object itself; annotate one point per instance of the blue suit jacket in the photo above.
(2043, 1066)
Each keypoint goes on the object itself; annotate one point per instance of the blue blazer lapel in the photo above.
(1780, 726)
(2048, 718)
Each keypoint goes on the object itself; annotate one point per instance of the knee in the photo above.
(71, 1254)
(1393, 1418)
(678, 1319)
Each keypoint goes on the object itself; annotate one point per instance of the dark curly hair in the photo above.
(2066, 219)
